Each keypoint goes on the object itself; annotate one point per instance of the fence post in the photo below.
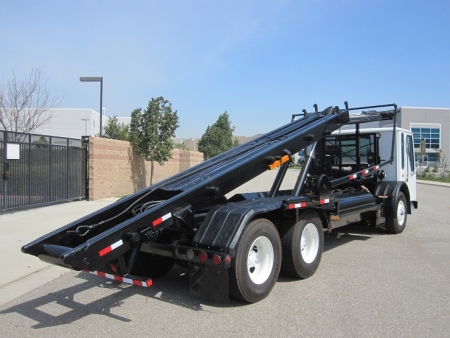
(5, 171)
(50, 170)
(85, 142)
(30, 186)
(67, 169)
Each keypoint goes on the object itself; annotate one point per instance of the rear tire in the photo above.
(256, 267)
(396, 223)
(303, 246)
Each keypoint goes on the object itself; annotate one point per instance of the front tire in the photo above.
(396, 225)
(303, 246)
(256, 267)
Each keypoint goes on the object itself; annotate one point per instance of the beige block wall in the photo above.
(115, 170)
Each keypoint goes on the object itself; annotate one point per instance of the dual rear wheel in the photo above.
(261, 253)
(303, 246)
(255, 268)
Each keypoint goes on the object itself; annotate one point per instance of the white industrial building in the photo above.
(72, 123)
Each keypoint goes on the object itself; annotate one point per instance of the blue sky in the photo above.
(260, 61)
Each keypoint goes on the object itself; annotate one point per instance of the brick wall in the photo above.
(115, 170)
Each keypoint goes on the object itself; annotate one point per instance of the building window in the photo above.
(428, 134)
(432, 137)
(432, 157)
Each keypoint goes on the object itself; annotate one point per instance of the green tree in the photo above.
(41, 142)
(115, 130)
(152, 131)
(218, 137)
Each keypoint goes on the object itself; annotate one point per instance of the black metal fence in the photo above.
(40, 170)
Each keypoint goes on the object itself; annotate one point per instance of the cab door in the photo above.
(408, 163)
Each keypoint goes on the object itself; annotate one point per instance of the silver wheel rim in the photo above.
(401, 212)
(309, 244)
(260, 260)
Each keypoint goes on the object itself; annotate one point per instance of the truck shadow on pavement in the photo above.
(350, 233)
(94, 295)
(60, 307)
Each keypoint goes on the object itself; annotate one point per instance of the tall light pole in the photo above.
(97, 79)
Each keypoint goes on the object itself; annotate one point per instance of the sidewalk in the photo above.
(21, 273)
(439, 184)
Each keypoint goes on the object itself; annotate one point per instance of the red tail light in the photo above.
(228, 259)
(113, 268)
(203, 257)
(216, 259)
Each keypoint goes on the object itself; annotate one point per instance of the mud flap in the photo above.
(414, 205)
(209, 282)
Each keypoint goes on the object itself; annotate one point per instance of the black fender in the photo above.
(391, 190)
(224, 224)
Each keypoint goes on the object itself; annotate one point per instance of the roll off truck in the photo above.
(237, 246)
